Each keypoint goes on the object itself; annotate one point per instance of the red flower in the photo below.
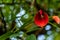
(41, 18)
(56, 19)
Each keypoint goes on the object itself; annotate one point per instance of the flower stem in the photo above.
(53, 25)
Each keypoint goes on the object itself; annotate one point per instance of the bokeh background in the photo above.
(17, 20)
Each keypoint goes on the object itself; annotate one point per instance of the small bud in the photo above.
(41, 19)
(56, 19)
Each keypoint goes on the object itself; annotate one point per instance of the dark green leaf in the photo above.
(5, 36)
(31, 37)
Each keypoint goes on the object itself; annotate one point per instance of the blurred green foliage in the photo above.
(17, 21)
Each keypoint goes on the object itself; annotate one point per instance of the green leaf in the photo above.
(5, 36)
(7, 1)
(32, 29)
(57, 37)
(31, 37)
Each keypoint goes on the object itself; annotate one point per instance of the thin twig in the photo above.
(32, 3)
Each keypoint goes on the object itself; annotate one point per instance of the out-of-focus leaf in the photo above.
(31, 27)
(25, 24)
(6, 12)
(57, 37)
(31, 37)
(6, 35)
(38, 1)
(24, 19)
(7, 1)
(17, 1)
(0, 1)
(14, 35)
(17, 7)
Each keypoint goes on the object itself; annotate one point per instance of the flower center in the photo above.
(42, 16)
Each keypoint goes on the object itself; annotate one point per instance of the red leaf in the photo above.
(41, 18)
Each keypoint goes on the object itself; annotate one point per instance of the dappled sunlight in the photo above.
(41, 37)
(49, 32)
(13, 38)
(48, 27)
(50, 37)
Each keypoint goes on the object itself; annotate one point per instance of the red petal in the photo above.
(59, 21)
(56, 19)
(41, 22)
(40, 12)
